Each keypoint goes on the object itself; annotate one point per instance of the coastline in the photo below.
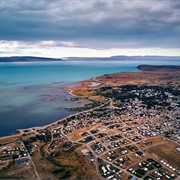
(108, 80)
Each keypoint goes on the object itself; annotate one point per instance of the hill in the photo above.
(26, 59)
(125, 58)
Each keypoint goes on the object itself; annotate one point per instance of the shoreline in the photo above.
(100, 79)
(70, 92)
(14, 135)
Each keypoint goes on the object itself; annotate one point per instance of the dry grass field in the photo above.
(62, 164)
(3, 165)
(166, 151)
(21, 171)
(4, 140)
(76, 135)
(161, 76)
(154, 140)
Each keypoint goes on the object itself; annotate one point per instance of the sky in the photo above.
(89, 28)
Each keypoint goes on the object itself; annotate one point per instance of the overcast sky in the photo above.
(63, 28)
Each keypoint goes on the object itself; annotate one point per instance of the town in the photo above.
(134, 134)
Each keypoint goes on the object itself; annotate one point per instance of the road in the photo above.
(37, 175)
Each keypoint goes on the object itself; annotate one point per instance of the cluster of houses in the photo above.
(97, 147)
(12, 151)
(153, 167)
(136, 113)
(139, 115)
(110, 172)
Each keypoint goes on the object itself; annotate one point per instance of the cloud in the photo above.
(8, 47)
(15, 45)
(92, 23)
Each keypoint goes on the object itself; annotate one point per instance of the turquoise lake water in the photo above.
(31, 95)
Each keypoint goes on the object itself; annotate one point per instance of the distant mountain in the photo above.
(112, 58)
(117, 58)
(145, 57)
(26, 59)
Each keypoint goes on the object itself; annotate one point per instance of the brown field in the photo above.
(65, 165)
(109, 132)
(4, 140)
(125, 176)
(157, 77)
(153, 77)
(82, 90)
(75, 136)
(117, 131)
(155, 140)
(80, 166)
(21, 171)
(28, 135)
(134, 123)
(3, 164)
(97, 98)
(166, 151)
(43, 166)
(79, 149)
(104, 156)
